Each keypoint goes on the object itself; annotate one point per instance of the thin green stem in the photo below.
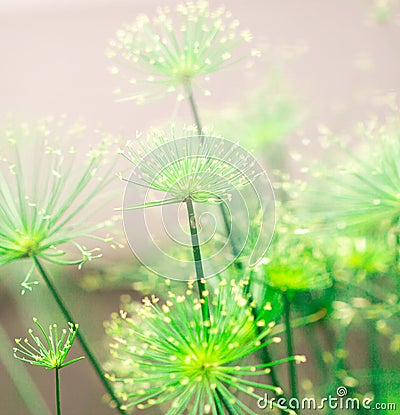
(58, 396)
(193, 107)
(231, 410)
(201, 283)
(237, 263)
(267, 358)
(85, 345)
(289, 343)
(264, 352)
(235, 251)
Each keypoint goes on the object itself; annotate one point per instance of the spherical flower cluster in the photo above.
(170, 50)
(363, 193)
(50, 353)
(46, 183)
(202, 169)
(295, 261)
(166, 354)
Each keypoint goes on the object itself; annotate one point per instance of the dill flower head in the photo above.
(169, 50)
(263, 119)
(295, 260)
(202, 169)
(46, 185)
(169, 172)
(363, 192)
(51, 350)
(360, 257)
(164, 354)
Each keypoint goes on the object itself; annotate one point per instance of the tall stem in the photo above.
(193, 107)
(201, 283)
(58, 397)
(289, 343)
(237, 263)
(235, 251)
(85, 345)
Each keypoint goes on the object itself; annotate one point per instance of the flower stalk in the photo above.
(203, 294)
(58, 397)
(201, 283)
(193, 107)
(85, 345)
(237, 263)
(48, 350)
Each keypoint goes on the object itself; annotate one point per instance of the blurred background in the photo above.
(330, 62)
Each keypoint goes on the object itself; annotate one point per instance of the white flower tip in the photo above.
(300, 359)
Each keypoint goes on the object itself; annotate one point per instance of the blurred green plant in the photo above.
(176, 50)
(49, 189)
(362, 202)
(263, 121)
(355, 202)
(294, 263)
(45, 187)
(363, 188)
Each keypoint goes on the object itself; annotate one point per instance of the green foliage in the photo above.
(364, 188)
(263, 120)
(295, 260)
(168, 52)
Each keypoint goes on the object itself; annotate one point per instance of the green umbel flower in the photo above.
(263, 120)
(175, 49)
(360, 257)
(49, 351)
(165, 354)
(202, 169)
(295, 260)
(362, 193)
(49, 184)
